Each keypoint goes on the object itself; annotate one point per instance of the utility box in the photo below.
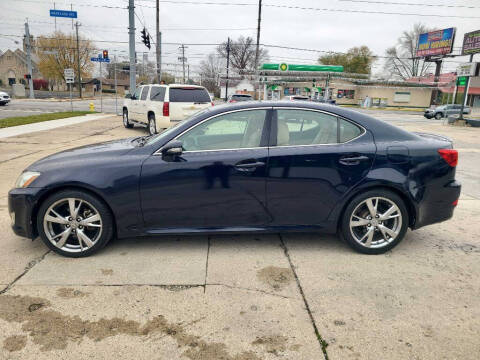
(18, 90)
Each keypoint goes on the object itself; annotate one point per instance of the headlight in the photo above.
(26, 178)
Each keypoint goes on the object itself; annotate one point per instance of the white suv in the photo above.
(161, 106)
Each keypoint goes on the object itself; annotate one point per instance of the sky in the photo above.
(334, 25)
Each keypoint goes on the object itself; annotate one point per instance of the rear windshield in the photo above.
(186, 94)
(242, 97)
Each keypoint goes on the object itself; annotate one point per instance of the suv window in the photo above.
(136, 94)
(303, 127)
(145, 92)
(241, 97)
(157, 93)
(241, 129)
(189, 94)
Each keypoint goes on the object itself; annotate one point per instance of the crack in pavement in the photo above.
(206, 265)
(323, 344)
(29, 267)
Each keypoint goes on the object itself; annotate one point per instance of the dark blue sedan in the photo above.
(251, 167)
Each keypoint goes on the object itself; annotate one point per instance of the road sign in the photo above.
(100, 59)
(461, 81)
(69, 76)
(63, 13)
(467, 69)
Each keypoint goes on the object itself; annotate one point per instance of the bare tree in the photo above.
(401, 61)
(210, 70)
(242, 53)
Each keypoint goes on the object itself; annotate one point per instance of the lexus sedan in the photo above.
(249, 167)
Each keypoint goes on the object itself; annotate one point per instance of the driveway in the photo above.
(241, 297)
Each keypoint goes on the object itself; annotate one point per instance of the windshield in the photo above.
(189, 95)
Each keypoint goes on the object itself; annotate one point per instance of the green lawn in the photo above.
(22, 120)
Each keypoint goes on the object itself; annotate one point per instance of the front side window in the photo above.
(137, 92)
(145, 92)
(237, 130)
(157, 93)
(303, 127)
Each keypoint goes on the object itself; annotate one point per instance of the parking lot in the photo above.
(279, 296)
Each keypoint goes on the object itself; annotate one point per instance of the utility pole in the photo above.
(158, 44)
(131, 45)
(257, 49)
(188, 73)
(55, 19)
(438, 68)
(465, 92)
(228, 66)
(29, 60)
(78, 63)
(183, 47)
(115, 79)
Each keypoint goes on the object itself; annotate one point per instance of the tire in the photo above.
(52, 225)
(126, 121)
(152, 125)
(438, 116)
(356, 228)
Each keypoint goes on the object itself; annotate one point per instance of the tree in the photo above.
(242, 53)
(401, 61)
(210, 70)
(59, 51)
(357, 60)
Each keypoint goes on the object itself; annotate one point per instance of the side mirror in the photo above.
(173, 148)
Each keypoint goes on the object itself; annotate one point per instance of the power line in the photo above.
(410, 4)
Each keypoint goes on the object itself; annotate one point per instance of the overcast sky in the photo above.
(319, 29)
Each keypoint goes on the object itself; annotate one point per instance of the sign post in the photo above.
(101, 58)
(471, 46)
(69, 79)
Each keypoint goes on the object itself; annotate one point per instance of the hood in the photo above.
(95, 153)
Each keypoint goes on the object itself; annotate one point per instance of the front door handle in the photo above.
(354, 160)
(248, 167)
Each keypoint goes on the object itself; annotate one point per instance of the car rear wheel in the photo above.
(74, 223)
(126, 121)
(374, 222)
(438, 116)
(152, 125)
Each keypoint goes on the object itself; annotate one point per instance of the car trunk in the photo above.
(186, 101)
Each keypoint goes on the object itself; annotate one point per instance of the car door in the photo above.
(314, 160)
(217, 182)
(142, 109)
(134, 101)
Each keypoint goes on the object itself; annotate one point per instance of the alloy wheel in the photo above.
(376, 222)
(125, 118)
(72, 224)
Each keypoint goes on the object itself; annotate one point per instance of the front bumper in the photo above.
(438, 204)
(21, 204)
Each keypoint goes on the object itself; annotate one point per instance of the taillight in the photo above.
(455, 203)
(450, 156)
(213, 103)
(166, 109)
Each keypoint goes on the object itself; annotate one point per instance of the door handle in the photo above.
(248, 167)
(354, 160)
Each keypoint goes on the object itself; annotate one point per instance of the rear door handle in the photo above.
(249, 167)
(354, 160)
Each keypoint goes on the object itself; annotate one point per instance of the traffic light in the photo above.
(146, 38)
(105, 54)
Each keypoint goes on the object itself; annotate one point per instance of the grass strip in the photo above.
(22, 120)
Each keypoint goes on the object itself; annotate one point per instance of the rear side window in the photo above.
(348, 131)
(189, 95)
(241, 97)
(157, 93)
(145, 92)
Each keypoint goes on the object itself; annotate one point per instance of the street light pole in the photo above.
(131, 44)
(78, 62)
(29, 60)
(257, 49)
(157, 47)
(228, 66)
(465, 92)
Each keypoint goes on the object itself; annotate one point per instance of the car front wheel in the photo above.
(438, 116)
(126, 121)
(374, 222)
(74, 223)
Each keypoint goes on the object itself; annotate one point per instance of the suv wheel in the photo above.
(152, 125)
(374, 222)
(438, 116)
(74, 223)
(126, 122)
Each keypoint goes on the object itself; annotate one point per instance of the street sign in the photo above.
(69, 76)
(100, 59)
(467, 69)
(63, 13)
(471, 43)
(461, 81)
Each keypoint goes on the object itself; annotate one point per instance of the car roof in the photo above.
(176, 85)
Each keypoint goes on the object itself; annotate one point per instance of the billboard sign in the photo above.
(471, 43)
(439, 42)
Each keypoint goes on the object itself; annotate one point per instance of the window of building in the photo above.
(402, 96)
(345, 94)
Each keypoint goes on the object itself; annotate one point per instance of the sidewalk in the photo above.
(48, 125)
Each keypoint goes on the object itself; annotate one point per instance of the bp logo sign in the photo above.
(283, 67)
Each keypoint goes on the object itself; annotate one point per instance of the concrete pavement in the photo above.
(241, 297)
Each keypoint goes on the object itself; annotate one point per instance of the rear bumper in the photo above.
(438, 204)
(21, 203)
